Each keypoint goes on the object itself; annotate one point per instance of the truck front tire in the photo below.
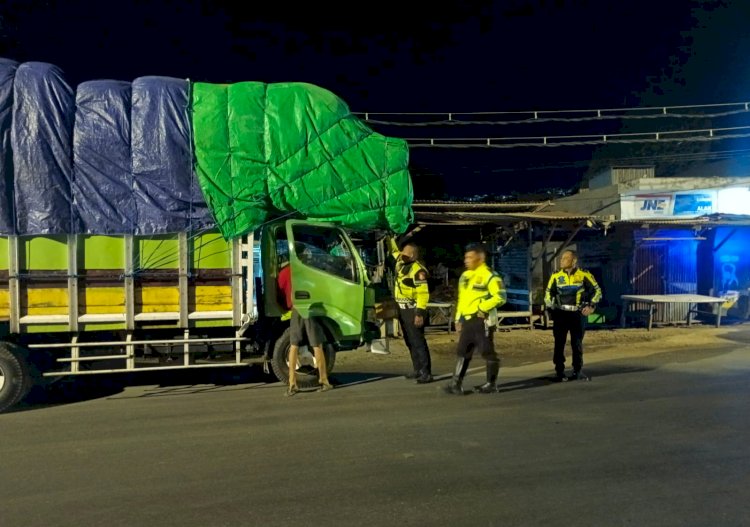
(307, 375)
(15, 380)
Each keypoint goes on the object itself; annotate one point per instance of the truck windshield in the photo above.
(325, 249)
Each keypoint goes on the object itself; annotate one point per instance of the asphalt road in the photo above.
(658, 437)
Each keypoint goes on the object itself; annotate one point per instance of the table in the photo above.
(652, 300)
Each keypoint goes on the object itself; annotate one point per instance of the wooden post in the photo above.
(651, 307)
(529, 274)
(547, 264)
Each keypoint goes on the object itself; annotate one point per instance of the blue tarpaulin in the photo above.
(168, 197)
(7, 72)
(102, 177)
(41, 138)
(110, 157)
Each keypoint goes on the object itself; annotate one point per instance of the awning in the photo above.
(433, 217)
(713, 220)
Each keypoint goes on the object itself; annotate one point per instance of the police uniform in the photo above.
(480, 293)
(567, 294)
(412, 294)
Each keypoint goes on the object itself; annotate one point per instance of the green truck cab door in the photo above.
(274, 250)
(328, 276)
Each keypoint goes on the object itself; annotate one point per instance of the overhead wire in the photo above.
(561, 116)
(581, 163)
(538, 120)
(580, 140)
(663, 109)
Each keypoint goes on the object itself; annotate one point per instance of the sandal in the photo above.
(291, 390)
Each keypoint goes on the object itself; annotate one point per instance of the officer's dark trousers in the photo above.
(568, 322)
(474, 337)
(415, 341)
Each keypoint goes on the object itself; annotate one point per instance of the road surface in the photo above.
(659, 437)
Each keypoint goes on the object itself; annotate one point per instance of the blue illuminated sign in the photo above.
(693, 204)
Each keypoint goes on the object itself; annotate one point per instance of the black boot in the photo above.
(559, 376)
(455, 388)
(493, 368)
(578, 375)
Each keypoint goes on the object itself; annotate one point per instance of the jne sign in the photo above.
(652, 205)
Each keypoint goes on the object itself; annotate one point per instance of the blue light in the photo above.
(731, 259)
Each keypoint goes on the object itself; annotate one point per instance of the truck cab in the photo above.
(329, 282)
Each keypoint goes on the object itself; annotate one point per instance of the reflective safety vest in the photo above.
(480, 290)
(411, 289)
(571, 291)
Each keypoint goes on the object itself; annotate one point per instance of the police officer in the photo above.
(572, 295)
(480, 293)
(412, 293)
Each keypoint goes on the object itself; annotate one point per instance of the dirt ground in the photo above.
(522, 346)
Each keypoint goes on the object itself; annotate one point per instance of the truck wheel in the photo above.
(307, 373)
(15, 381)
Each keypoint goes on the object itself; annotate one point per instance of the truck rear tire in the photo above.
(15, 380)
(307, 374)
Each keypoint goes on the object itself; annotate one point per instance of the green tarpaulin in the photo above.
(266, 151)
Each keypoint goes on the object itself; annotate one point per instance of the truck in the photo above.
(140, 232)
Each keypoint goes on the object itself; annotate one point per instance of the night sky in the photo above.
(385, 57)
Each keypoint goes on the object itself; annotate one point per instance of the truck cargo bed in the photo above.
(79, 283)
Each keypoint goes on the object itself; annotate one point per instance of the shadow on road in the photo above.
(525, 384)
(627, 366)
(192, 382)
(234, 381)
(78, 389)
(349, 379)
(608, 369)
(69, 391)
(741, 336)
(600, 370)
(169, 384)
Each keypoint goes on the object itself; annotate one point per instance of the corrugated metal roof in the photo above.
(663, 221)
(559, 215)
(712, 220)
(472, 205)
(476, 218)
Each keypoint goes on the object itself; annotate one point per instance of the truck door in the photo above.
(327, 276)
(274, 249)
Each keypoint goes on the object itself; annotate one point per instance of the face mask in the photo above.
(405, 258)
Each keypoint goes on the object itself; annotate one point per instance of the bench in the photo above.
(520, 301)
(441, 315)
(652, 300)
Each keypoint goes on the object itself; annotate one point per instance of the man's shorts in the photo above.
(305, 331)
